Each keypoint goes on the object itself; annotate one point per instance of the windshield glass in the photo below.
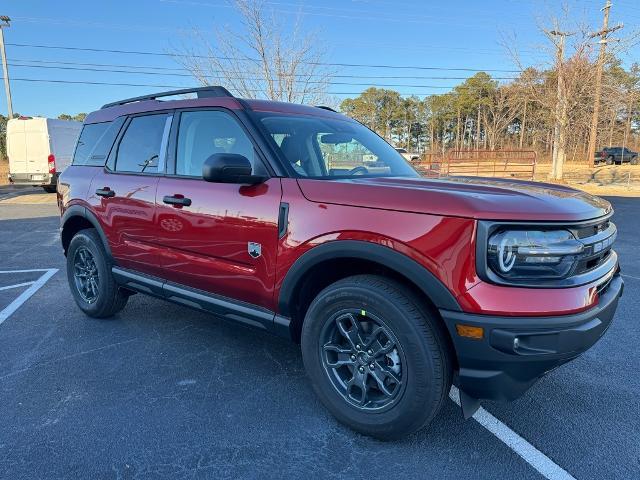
(319, 147)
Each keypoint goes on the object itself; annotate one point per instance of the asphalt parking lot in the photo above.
(161, 391)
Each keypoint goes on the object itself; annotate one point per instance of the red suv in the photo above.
(303, 222)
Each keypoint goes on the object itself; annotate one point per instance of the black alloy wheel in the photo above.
(90, 278)
(363, 359)
(85, 275)
(376, 355)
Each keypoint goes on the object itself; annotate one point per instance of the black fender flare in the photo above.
(426, 281)
(84, 212)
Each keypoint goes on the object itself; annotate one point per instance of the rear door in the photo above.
(617, 154)
(223, 239)
(123, 194)
(37, 139)
(17, 146)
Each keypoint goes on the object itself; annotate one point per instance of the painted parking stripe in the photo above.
(630, 276)
(530, 454)
(26, 295)
(29, 271)
(17, 285)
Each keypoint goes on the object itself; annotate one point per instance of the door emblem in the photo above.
(255, 249)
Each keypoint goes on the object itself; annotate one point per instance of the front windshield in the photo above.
(319, 147)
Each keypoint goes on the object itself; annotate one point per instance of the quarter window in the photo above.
(206, 133)
(139, 149)
(89, 137)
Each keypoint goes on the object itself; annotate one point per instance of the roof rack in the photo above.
(202, 92)
(324, 107)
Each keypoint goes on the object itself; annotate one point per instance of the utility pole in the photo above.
(603, 34)
(562, 107)
(4, 23)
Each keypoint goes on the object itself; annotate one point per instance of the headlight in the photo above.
(527, 254)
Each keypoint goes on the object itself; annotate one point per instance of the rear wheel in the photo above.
(90, 279)
(375, 356)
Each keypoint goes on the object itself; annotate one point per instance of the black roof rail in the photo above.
(324, 107)
(202, 92)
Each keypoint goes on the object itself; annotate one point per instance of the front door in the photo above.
(217, 237)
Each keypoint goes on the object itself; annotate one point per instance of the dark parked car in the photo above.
(395, 285)
(617, 155)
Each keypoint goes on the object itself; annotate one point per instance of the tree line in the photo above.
(483, 113)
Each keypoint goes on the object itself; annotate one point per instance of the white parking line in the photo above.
(29, 271)
(24, 296)
(530, 454)
(17, 285)
(630, 276)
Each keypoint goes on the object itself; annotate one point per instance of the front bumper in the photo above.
(499, 367)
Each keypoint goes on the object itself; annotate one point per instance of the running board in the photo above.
(218, 305)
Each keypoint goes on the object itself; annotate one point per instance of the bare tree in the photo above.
(500, 113)
(261, 59)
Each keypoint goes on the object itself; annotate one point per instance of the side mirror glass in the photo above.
(229, 168)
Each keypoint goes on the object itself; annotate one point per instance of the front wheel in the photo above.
(49, 188)
(609, 160)
(375, 356)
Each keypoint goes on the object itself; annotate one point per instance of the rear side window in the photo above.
(88, 139)
(139, 149)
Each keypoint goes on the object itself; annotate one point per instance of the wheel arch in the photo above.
(331, 261)
(76, 218)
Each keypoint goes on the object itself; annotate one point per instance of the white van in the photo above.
(39, 149)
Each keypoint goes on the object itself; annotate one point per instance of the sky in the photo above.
(456, 34)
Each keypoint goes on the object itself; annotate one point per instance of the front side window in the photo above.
(205, 133)
(139, 148)
(320, 147)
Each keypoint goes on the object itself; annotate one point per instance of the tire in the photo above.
(49, 188)
(634, 161)
(103, 298)
(609, 160)
(420, 358)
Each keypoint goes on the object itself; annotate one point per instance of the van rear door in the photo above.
(17, 146)
(37, 140)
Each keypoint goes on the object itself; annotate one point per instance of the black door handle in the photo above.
(105, 192)
(176, 201)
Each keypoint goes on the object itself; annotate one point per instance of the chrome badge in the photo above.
(255, 249)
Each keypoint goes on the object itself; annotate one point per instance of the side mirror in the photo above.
(229, 168)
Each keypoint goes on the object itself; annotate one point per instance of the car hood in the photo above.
(471, 197)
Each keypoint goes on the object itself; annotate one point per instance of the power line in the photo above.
(329, 64)
(152, 67)
(84, 82)
(314, 82)
(348, 14)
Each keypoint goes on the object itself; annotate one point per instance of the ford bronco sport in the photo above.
(396, 286)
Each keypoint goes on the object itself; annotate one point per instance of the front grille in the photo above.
(598, 240)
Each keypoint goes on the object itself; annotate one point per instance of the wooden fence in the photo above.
(518, 164)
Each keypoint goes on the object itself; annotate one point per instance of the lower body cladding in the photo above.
(221, 306)
(514, 352)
